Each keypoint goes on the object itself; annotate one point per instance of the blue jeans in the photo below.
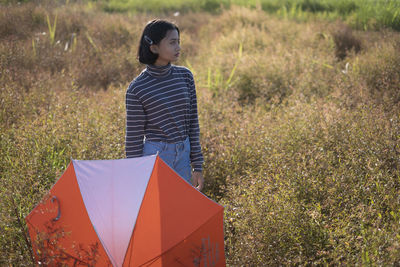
(176, 155)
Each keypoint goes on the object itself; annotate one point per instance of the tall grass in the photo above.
(301, 142)
(362, 14)
(216, 82)
(52, 28)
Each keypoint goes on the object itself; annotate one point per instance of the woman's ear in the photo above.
(154, 49)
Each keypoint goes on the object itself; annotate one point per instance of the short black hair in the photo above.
(153, 33)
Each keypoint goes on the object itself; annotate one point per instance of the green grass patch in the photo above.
(362, 14)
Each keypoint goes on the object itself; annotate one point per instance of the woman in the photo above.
(161, 105)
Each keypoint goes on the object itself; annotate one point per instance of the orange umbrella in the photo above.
(126, 212)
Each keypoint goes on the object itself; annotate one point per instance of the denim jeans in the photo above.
(176, 155)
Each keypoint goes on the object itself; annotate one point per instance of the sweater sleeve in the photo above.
(135, 123)
(196, 156)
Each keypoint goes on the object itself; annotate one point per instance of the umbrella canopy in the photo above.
(126, 212)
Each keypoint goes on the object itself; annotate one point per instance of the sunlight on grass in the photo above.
(299, 116)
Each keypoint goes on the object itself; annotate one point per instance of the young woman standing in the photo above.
(161, 105)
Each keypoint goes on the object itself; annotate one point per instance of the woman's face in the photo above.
(168, 49)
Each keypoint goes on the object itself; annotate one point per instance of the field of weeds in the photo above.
(300, 123)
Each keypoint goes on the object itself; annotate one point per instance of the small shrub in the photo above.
(249, 89)
(345, 41)
(71, 22)
(272, 86)
(316, 6)
(20, 21)
(99, 70)
(383, 76)
(112, 33)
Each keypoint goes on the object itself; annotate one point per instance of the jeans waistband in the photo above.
(172, 146)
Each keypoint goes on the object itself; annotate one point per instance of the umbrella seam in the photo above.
(133, 230)
(151, 261)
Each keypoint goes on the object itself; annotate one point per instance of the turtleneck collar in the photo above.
(159, 71)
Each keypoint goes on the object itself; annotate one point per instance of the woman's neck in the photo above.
(161, 64)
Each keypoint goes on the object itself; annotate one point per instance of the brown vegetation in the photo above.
(302, 149)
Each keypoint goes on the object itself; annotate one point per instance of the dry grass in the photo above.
(301, 148)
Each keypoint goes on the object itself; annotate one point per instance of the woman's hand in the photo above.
(198, 180)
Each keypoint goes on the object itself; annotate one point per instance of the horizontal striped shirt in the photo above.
(161, 106)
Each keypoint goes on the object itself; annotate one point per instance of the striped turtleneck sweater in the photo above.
(161, 106)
